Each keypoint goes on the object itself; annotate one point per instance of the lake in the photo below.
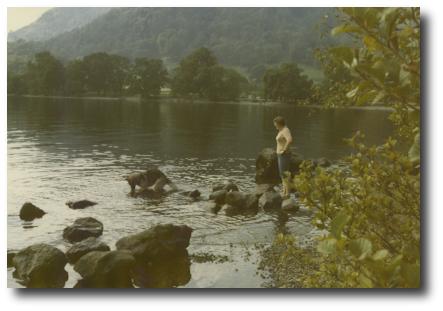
(70, 149)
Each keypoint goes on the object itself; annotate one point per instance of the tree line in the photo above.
(198, 75)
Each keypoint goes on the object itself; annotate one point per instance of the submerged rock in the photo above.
(156, 242)
(109, 269)
(86, 246)
(83, 228)
(270, 200)
(40, 266)
(29, 212)
(80, 204)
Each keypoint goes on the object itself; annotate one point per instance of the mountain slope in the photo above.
(55, 22)
(240, 37)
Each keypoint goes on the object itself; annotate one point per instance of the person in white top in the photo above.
(283, 139)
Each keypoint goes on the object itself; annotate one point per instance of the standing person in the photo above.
(284, 139)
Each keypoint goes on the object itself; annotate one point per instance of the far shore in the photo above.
(198, 100)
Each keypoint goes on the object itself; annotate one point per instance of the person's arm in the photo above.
(288, 139)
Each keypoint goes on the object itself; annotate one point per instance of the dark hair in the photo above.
(280, 121)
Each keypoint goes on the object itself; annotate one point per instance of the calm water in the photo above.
(60, 150)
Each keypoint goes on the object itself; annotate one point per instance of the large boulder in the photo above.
(11, 254)
(83, 228)
(40, 266)
(86, 246)
(270, 200)
(109, 269)
(266, 166)
(218, 196)
(29, 212)
(227, 185)
(161, 241)
(80, 204)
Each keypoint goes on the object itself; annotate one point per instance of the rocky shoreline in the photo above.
(156, 257)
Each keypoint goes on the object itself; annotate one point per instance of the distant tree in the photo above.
(16, 84)
(106, 74)
(45, 74)
(199, 74)
(148, 76)
(191, 77)
(286, 83)
(76, 74)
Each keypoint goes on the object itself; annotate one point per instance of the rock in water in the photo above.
(11, 255)
(160, 241)
(235, 198)
(267, 168)
(29, 212)
(40, 266)
(80, 204)
(194, 194)
(323, 162)
(227, 186)
(110, 269)
(262, 188)
(218, 196)
(83, 228)
(86, 246)
(270, 200)
(290, 205)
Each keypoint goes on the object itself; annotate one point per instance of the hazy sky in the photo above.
(20, 17)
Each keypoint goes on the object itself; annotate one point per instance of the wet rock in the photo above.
(267, 168)
(83, 228)
(290, 205)
(86, 246)
(235, 198)
(80, 204)
(40, 266)
(11, 255)
(109, 269)
(270, 200)
(218, 196)
(251, 202)
(194, 194)
(323, 162)
(160, 241)
(29, 212)
(227, 185)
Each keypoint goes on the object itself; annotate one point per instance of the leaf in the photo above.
(338, 223)
(380, 254)
(364, 282)
(344, 28)
(352, 92)
(327, 246)
(360, 248)
(414, 151)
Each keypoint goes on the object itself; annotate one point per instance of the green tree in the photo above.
(16, 84)
(286, 83)
(76, 75)
(371, 206)
(148, 77)
(191, 77)
(106, 74)
(45, 74)
(200, 75)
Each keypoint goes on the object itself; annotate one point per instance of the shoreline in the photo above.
(138, 99)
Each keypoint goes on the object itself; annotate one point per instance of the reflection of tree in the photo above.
(163, 272)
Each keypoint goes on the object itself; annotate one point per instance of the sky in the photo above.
(20, 17)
